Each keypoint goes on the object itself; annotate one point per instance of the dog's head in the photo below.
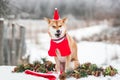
(56, 28)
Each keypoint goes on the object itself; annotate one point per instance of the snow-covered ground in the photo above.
(88, 31)
(6, 74)
(100, 53)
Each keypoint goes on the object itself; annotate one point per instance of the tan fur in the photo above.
(72, 58)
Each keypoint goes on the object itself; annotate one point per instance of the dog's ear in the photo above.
(64, 20)
(47, 19)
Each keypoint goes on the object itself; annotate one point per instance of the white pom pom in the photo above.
(55, 8)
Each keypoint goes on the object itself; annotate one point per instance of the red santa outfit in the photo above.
(63, 46)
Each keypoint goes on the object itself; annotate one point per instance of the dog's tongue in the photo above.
(57, 35)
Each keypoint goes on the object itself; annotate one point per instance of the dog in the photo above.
(58, 32)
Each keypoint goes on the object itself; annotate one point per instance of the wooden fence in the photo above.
(12, 47)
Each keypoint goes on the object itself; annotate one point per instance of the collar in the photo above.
(59, 38)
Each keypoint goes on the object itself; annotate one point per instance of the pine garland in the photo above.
(37, 66)
(91, 69)
(82, 71)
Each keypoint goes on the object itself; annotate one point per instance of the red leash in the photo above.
(44, 75)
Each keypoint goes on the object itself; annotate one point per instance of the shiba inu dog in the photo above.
(62, 47)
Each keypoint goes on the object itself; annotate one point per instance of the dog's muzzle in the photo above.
(58, 33)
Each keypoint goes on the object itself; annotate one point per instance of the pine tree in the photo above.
(4, 8)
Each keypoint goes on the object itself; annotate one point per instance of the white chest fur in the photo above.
(60, 58)
(59, 40)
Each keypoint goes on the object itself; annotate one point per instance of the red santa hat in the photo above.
(56, 14)
(44, 75)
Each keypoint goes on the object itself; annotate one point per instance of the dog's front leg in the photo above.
(57, 64)
(67, 64)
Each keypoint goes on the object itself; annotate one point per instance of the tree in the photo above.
(4, 8)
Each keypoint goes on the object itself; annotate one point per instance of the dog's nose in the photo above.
(58, 31)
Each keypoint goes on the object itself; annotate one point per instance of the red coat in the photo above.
(63, 47)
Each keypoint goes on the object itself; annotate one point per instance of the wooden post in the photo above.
(7, 50)
(13, 48)
(1, 42)
(6, 46)
(22, 45)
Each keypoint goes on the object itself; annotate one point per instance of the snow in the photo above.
(117, 77)
(95, 52)
(6, 74)
(88, 31)
(1, 19)
(32, 24)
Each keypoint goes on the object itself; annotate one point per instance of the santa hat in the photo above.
(44, 75)
(56, 14)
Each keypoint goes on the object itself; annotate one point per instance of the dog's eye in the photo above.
(60, 26)
(53, 26)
